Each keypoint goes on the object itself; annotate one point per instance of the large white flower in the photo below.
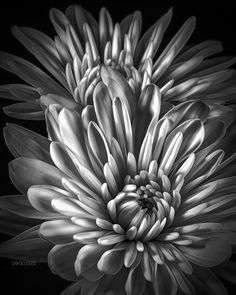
(128, 203)
(82, 44)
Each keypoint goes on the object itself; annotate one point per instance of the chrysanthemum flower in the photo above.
(128, 203)
(72, 61)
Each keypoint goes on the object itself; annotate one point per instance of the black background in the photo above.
(214, 21)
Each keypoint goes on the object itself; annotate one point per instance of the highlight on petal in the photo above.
(58, 231)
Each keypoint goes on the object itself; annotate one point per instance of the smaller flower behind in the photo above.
(72, 62)
(130, 203)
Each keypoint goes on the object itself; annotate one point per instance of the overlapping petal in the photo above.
(75, 61)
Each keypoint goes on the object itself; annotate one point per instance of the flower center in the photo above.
(145, 206)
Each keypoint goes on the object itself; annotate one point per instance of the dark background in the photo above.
(214, 21)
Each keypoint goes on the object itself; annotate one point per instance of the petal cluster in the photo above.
(129, 202)
(82, 44)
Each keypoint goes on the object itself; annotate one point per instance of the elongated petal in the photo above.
(86, 261)
(61, 260)
(12, 224)
(25, 110)
(71, 128)
(111, 261)
(118, 87)
(19, 92)
(103, 109)
(31, 74)
(210, 253)
(26, 246)
(41, 196)
(25, 172)
(25, 143)
(21, 206)
(58, 231)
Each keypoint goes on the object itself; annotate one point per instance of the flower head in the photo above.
(82, 44)
(132, 203)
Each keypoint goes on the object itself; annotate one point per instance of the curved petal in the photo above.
(207, 253)
(25, 172)
(25, 110)
(26, 143)
(20, 205)
(111, 261)
(61, 260)
(31, 74)
(206, 282)
(41, 196)
(118, 87)
(86, 261)
(103, 109)
(12, 224)
(71, 129)
(58, 231)
(26, 246)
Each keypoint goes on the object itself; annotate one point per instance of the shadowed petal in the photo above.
(25, 110)
(207, 253)
(21, 206)
(26, 143)
(86, 261)
(12, 224)
(25, 172)
(111, 261)
(61, 260)
(31, 74)
(26, 246)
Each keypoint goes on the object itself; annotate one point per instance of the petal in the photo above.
(86, 261)
(135, 283)
(19, 92)
(73, 289)
(103, 109)
(25, 172)
(178, 41)
(71, 130)
(58, 231)
(25, 143)
(26, 246)
(154, 34)
(118, 87)
(147, 114)
(123, 127)
(61, 260)
(98, 143)
(12, 224)
(163, 275)
(25, 110)
(227, 271)
(51, 117)
(207, 282)
(207, 253)
(40, 197)
(31, 74)
(67, 207)
(60, 155)
(43, 48)
(111, 261)
(48, 99)
(20, 205)
(186, 111)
